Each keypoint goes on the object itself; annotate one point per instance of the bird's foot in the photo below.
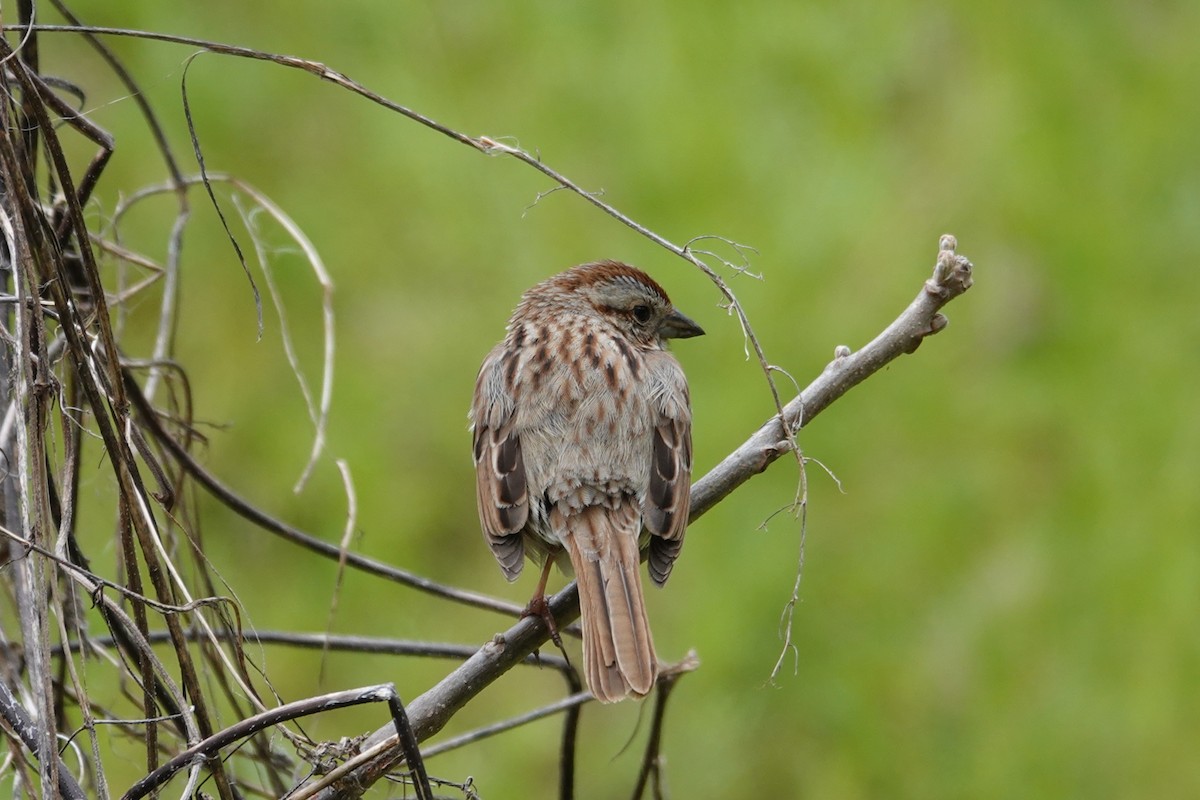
(538, 607)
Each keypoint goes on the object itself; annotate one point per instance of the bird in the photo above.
(582, 440)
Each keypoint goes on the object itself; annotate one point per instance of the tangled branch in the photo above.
(64, 382)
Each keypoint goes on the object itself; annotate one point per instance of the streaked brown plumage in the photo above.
(583, 448)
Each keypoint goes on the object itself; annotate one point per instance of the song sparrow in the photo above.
(582, 432)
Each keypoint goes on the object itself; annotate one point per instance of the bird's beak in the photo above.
(676, 326)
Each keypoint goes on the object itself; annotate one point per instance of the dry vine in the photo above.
(64, 381)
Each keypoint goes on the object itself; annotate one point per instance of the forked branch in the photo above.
(952, 276)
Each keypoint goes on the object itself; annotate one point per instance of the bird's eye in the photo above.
(641, 314)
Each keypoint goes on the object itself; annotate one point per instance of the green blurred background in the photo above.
(1001, 602)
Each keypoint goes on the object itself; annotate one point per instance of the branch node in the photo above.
(952, 273)
(772, 452)
(689, 663)
(935, 287)
(490, 146)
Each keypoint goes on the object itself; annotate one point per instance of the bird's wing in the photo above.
(665, 508)
(500, 482)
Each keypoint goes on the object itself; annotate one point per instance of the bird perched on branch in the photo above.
(582, 430)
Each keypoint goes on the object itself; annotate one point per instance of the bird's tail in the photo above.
(618, 650)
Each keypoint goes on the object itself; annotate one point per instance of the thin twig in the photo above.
(164, 341)
(570, 735)
(347, 535)
(237, 249)
(318, 412)
(487, 731)
(341, 643)
(652, 759)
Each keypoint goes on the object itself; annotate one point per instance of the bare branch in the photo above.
(479, 734)
(342, 643)
(431, 710)
(952, 277)
(18, 720)
(652, 761)
(210, 747)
